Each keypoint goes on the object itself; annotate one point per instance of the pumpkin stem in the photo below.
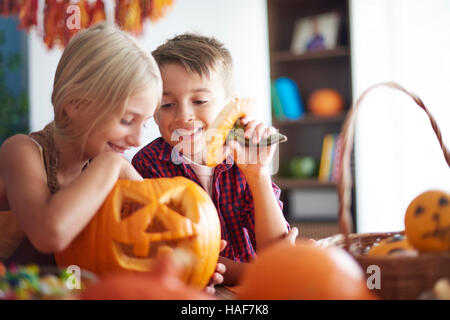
(237, 133)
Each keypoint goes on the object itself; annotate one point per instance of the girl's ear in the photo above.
(72, 110)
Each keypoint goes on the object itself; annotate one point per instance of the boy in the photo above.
(197, 84)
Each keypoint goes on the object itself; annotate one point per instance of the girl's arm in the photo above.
(51, 222)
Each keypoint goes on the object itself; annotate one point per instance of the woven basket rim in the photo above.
(345, 179)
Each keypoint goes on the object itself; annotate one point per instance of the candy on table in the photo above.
(27, 283)
(2, 269)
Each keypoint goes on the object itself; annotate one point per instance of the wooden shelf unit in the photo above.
(330, 68)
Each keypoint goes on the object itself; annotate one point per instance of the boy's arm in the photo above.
(233, 271)
(270, 224)
(254, 162)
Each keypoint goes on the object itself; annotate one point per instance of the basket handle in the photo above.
(344, 183)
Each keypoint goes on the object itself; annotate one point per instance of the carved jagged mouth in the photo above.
(155, 248)
(443, 234)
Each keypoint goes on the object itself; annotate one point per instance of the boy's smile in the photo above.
(190, 104)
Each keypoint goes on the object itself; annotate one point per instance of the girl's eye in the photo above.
(126, 122)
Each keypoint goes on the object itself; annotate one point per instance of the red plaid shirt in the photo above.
(230, 193)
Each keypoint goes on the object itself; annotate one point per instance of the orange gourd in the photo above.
(325, 102)
(393, 246)
(303, 272)
(427, 221)
(139, 220)
(221, 126)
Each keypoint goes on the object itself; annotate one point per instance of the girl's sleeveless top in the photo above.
(14, 245)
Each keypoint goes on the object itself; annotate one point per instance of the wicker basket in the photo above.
(402, 277)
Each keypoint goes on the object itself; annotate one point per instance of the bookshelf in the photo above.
(311, 70)
(288, 56)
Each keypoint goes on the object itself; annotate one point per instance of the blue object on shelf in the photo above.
(290, 98)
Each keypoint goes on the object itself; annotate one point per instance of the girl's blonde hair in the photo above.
(100, 69)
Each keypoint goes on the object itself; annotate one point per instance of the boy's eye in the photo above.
(200, 102)
(166, 105)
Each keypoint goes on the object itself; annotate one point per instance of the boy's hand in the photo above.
(253, 160)
(217, 277)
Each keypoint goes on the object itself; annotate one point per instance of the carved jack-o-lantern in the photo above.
(141, 219)
(427, 221)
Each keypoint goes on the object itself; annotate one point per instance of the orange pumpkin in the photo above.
(325, 102)
(302, 272)
(141, 219)
(427, 221)
(162, 283)
(227, 126)
(221, 126)
(397, 245)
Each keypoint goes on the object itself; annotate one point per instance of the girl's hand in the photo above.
(217, 277)
(127, 171)
(253, 160)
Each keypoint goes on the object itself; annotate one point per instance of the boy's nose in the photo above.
(184, 114)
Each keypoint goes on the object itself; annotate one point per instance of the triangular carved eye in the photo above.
(129, 207)
(443, 201)
(419, 210)
(176, 206)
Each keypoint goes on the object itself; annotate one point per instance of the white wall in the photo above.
(397, 153)
(240, 25)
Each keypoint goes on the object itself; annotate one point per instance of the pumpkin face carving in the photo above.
(139, 220)
(427, 221)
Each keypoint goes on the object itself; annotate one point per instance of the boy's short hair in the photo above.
(99, 70)
(198, 54)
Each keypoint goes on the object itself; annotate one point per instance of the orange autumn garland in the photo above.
(129, 15)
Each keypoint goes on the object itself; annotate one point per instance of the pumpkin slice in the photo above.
(227, 126)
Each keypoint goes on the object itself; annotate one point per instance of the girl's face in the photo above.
(119, 133)
(189, 106)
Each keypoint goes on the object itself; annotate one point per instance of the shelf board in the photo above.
(288, 56)
(309, 119)
(292, 183)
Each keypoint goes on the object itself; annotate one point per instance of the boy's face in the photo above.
(189, 105)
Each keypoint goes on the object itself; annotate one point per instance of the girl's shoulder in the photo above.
(19, 148)
(18, 143)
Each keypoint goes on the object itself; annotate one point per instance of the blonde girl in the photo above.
(53, 181)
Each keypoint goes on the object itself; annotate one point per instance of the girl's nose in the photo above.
(134, 138)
